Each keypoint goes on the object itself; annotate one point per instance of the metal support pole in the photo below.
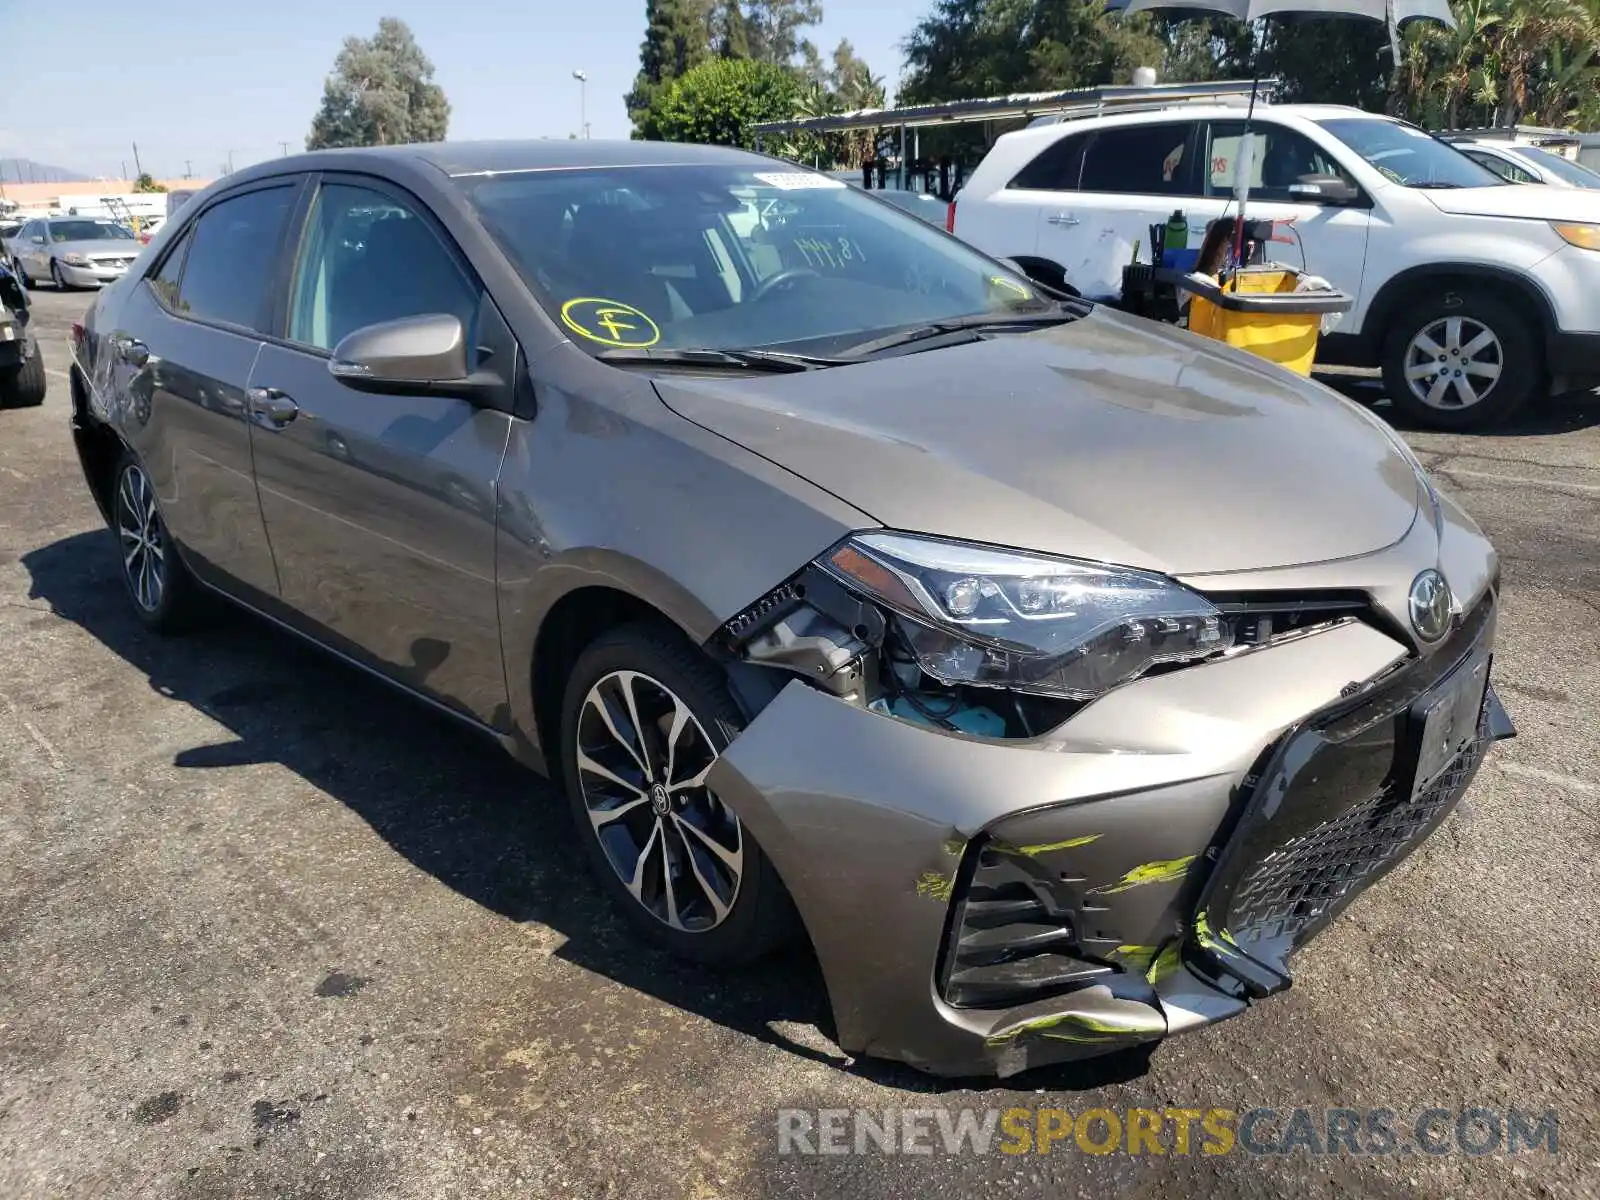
(902, 172)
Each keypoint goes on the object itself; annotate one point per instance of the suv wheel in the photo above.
(644, 718)
(1463, 360)
(23, 385)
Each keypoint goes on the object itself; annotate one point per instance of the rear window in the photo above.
(1150, 160)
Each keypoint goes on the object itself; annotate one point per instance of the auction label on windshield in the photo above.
(797, 181)
(610, 322)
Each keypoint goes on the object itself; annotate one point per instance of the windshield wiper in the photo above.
(776, 361)
(974, 322)
(1433, 185)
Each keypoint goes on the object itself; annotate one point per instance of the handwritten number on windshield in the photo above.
(830, 254)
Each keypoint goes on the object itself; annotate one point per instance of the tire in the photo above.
(751, 914)
(164, 595)
(1502, 372)
(55, 276)
(22, 276)
(23, 386)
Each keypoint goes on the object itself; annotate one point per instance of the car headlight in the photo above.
(1586, 237)
(75, 260)
(988, 617)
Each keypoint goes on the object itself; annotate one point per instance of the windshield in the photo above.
(86, 231)
(1561, 168)
(1409, 156)
(731, 258)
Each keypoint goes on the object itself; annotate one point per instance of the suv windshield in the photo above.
(86, 231)
(1408, 155)
(1561, 168)
(732, 258)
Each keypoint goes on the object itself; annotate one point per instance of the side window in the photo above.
(1504, 168)
(1282, 159)
(1056, 168)
(164, 283)
(366, 258)
(1144, 160)
(233, 253)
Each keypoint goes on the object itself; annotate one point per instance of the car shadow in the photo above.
(1556, 414)
(449, 801)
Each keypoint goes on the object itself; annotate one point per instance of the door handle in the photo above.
(270, 408)
(129, 349)
(1063, 218)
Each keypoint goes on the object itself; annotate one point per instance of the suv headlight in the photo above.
(1585, 236)
(1049, 626)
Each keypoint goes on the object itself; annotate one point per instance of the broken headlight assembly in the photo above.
(985, 617)
(976, 639)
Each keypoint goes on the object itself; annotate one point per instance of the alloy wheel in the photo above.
(143, 539)
(642, 759)
(1454, 363)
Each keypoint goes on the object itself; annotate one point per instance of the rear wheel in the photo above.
(165, 597)
(644, 718)
(22, 276)
(23, 385)
(1464, 360)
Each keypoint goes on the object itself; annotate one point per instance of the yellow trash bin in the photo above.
(1258, 310)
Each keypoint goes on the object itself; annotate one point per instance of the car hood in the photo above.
(100, 248)
(1529, 201)
(1109, 438)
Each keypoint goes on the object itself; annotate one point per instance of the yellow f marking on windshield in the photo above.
(610, 322)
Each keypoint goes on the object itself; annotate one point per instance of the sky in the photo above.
(191, 81)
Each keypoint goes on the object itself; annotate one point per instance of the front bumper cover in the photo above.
(1123, 821)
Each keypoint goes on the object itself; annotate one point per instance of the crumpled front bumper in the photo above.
(886, 834)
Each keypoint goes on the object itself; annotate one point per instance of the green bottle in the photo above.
(1177, 231)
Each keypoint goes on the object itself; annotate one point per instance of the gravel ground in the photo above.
(268, 930)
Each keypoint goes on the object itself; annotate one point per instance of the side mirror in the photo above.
(37, 241)
(412, 356)
(1324, 189)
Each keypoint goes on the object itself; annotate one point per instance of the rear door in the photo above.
(1130, 177)
(381, 508)
(1325, 239)
(178, 363)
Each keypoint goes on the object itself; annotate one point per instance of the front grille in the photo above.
(1310, 877)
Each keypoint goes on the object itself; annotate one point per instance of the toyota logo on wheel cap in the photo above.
(1430, 605)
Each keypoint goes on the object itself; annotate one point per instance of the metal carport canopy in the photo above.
(1024, 104)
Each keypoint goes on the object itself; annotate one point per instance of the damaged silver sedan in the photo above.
(1058, 675)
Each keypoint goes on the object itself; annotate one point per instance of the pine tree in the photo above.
(677, 38)
(381, 93)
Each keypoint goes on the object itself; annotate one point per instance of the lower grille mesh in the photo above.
(1310, 876)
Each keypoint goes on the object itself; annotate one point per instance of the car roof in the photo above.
(458, 159)
(1189, 112)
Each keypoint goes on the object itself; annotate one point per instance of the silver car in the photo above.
(74, 251)
(1054, 675)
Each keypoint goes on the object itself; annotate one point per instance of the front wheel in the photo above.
(1464, 360)
(57, 278)
(644, 718)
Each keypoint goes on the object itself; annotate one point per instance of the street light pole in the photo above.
(583, 102)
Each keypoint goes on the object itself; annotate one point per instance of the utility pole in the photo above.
(284, 146)
(124, 165)
(137, 165)
(229, 169)
(583, 102)
(188, 168)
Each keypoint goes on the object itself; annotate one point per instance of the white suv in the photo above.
(1471, 294)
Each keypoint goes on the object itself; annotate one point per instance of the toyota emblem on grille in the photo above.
(1430, 605)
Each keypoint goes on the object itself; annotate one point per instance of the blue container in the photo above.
(1182, 259)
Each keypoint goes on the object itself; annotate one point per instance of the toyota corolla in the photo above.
(1057, 674)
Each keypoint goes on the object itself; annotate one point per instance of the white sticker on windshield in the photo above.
(797, 181)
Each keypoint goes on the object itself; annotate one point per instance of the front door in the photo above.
(1130, 177)
(1323, 239)
(381, 508)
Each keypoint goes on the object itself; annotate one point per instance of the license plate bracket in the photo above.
(1442, 723)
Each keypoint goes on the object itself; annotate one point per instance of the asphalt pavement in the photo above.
(269, 930)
